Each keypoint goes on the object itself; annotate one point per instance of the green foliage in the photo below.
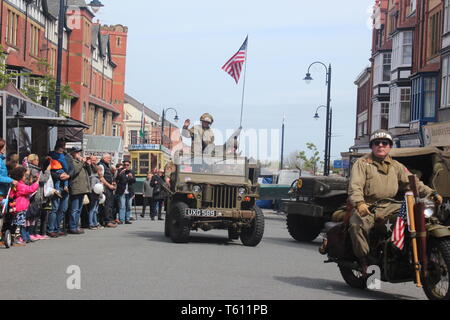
(312, 162)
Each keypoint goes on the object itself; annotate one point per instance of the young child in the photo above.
(22, 193)
(59, 166)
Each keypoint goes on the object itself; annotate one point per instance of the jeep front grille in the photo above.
(224, 197)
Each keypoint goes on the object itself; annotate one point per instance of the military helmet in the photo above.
(207, 118)
(381, 134)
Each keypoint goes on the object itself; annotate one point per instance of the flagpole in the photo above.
(243, 87)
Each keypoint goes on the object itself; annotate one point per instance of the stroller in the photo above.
(6, 221)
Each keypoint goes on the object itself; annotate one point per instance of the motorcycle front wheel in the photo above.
(353, 278)
(436, 285)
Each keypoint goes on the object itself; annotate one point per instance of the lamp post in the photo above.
(308, 79)
(162, 123)
(95, 5)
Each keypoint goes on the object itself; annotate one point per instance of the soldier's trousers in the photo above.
(359, 227)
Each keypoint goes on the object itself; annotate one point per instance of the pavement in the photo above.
(137, 262)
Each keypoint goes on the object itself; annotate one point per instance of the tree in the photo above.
(294, 161)
(312, 162)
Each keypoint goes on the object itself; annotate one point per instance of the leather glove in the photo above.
(363, 209)
(438, 199)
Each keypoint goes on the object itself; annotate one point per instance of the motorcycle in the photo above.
(424, 258)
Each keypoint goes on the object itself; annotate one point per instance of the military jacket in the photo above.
(372, 180)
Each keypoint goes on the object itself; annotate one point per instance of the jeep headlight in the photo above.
(430, 209)
(242, 191)
(197, 189)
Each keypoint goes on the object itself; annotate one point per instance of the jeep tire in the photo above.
(179, 227)
(252, 235)
(302, 228)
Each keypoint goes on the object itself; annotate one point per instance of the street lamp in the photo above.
(316, 116)
(95, 5)
(308, 80)
(162, 124)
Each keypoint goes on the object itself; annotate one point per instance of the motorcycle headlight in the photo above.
(242, 190)
(429, 209)
(196, 189)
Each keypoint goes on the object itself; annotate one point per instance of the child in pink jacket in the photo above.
(22, 193)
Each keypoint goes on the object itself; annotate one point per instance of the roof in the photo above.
(149, 112)
(95, 33)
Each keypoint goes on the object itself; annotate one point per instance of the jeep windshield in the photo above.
(211, 165)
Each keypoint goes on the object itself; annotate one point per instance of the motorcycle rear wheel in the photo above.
(437, 285)
(353, 278)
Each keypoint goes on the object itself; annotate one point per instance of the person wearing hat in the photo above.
(79, 187)
(202, 135)
(376, 176)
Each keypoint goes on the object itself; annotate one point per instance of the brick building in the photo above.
(409, 46)
(93, 64)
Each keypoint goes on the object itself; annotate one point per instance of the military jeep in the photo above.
(317, 200)
(214, 193)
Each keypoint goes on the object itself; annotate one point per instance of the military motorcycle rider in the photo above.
(202, 135)
(374, 177)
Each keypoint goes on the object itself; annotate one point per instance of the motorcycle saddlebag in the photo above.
(337, 241)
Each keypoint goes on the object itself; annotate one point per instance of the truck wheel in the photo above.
(436, 285)
(353, 278)
(303, 228)
(167, 224)
(179, 226)
(252, 235)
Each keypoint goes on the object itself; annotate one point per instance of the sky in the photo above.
(176, 50)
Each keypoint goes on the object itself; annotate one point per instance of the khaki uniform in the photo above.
(370, 181)
(202, 139)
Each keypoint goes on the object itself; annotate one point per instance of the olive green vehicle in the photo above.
(214, 193)
(318, 200)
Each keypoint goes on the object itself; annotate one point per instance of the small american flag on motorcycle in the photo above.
(398, 234)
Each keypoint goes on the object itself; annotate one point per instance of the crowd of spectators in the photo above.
(64, 193)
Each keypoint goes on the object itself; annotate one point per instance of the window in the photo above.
(83, 112)
(133, 137)
(95, 121)
(144, 163)
(11, 32)
(384, 116)
(412, 6)
(387, 67)
(445, 95)
(407, 47)
(34, 41)
(119, 42)
(104, 123)
(405, 105)
(447, 16)
(14, 78)
(434, 34)
(429, 97)
(114, 130)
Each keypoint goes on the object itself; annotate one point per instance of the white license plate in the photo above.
(200, 213)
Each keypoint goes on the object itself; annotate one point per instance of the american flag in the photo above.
(398, 235)
(234, 66)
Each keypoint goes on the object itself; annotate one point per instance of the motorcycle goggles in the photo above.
(383, 142)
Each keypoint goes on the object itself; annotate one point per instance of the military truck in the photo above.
(214, 193)
(321, 199)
